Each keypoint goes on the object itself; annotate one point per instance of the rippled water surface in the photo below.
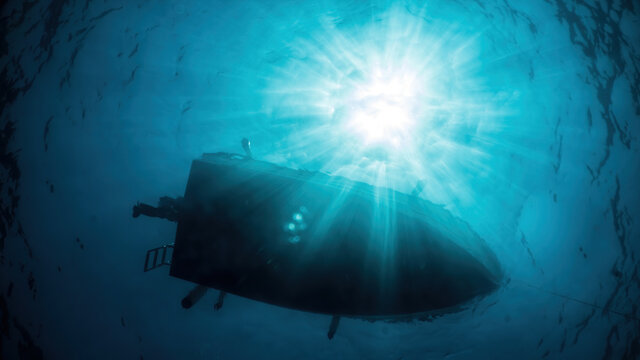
(520, 117)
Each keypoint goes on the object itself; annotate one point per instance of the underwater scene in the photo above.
(324, 179)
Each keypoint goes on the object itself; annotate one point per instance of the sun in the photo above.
(382, 108)
(391, 103)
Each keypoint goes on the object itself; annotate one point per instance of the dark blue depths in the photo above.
(519, 117)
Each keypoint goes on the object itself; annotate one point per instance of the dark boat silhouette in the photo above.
(319, 243)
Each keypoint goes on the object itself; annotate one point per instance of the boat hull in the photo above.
(324, 244)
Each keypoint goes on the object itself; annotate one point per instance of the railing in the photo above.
(158, 257)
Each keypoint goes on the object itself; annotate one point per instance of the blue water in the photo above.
(522, 118)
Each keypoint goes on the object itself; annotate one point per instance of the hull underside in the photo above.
(323, 244)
